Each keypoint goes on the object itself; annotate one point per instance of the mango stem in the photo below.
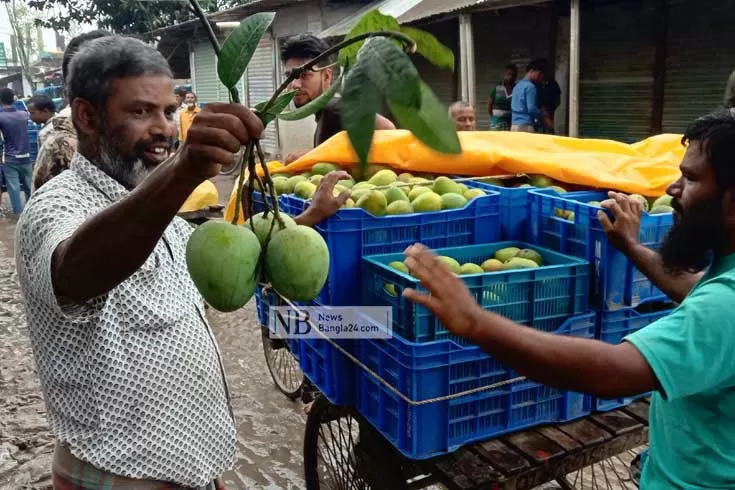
(241, 182)
(269, 183)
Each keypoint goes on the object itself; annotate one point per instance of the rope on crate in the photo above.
(268, 287)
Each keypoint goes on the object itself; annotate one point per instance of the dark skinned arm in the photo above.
(575, 364)
(110, 246)
(623, 233)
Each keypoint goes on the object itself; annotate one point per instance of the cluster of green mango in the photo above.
(505, 259)
(653, 205)
(384, 192)
(539, 181)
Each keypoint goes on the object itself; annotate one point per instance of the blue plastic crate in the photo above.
(442, 368)
(513, 208)
(613, 327)
(353, 233)
(616, 283)
(327, 368)
(259, 202)
(543, 297)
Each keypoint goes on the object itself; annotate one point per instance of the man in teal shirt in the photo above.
(687, 358)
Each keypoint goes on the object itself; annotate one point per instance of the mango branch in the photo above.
(241, 182)
(234, 94)
(410, 48)
(269, 183)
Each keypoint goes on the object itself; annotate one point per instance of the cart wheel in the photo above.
(340, 452)
(283, 366)
(615, 472)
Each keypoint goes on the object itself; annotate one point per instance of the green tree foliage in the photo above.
(121, 16)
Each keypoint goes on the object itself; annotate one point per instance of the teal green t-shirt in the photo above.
(692, 418)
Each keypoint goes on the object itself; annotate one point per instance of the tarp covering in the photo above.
(204, 195)
(647, 167)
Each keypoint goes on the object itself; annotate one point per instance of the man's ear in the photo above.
(85, 116)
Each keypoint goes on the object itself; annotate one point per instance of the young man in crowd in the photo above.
(186, 116)
(463, 115)
(101, 262)
(60, 141)
(498, 105)
(524, 103)
(41, 109)
(17, 165)
(686, 358)
(311, 84)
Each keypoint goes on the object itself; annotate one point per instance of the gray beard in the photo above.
(128, 173)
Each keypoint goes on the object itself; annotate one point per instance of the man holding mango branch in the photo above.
(132, 377)
(686, 358)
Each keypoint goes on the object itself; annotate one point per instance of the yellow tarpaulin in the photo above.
(647, 167)
(204, 195)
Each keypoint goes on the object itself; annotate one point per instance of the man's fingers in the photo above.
(607, 225)
(249, 119)
(213, 155)
(213, 136)
(332, 178)
(343, 196)
(423, 299)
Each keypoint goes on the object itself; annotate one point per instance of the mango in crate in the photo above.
(349, 183)
(427, 202)
(263, 226)
(297, 263)
(664, 200)
(505, 254)
(519, 263)
(470, 268)
(451, 200)
(304, 189)
(492, 265)
(363, 185)
(395, 194)
(315, 179)
(222, 260)
(399, 207)
(540, 181)
(445, 185)
(373, 202)
(640, 199)
(452, 263)
(405, 177)
(323, 168)
(281, 185)
(416, 192)
(558, 189)
(399, 266)
(349, 203)
(661, 209)
(383, 177)
(529, 254)
(291, 183)
(470, 194)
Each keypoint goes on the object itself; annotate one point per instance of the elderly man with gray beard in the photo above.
(131, 373)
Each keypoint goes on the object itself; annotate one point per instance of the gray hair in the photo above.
(98, 62)
(460, 104)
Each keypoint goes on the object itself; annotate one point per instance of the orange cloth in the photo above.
(186, 117)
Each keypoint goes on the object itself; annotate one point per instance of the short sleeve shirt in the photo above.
(133, 380)
(692, 419)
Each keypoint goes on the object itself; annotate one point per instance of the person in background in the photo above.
(498, 105)
(180, 97)
(524, 102)
(463, 115)
(730, 92)
(41, 109)
(311, 84)
(60, 142)
(17, 165)
(685, 358)
(186, 116)
(549, 99)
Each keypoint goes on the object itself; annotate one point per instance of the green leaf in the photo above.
(430, 48)
(431, 125)
(281, 102)
(360, 102)
(391, 71)
(370, 22)
(315, 105)
(239, 47)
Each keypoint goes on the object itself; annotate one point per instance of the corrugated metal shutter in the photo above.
(700, 58)
(441, 80)
(515, 35)
(262, 84)
(205, 79)
(616, 74)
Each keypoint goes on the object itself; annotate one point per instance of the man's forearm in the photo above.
(581, 365)
(110, 246)
(649, 262)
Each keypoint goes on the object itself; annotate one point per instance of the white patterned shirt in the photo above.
(133, 380)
